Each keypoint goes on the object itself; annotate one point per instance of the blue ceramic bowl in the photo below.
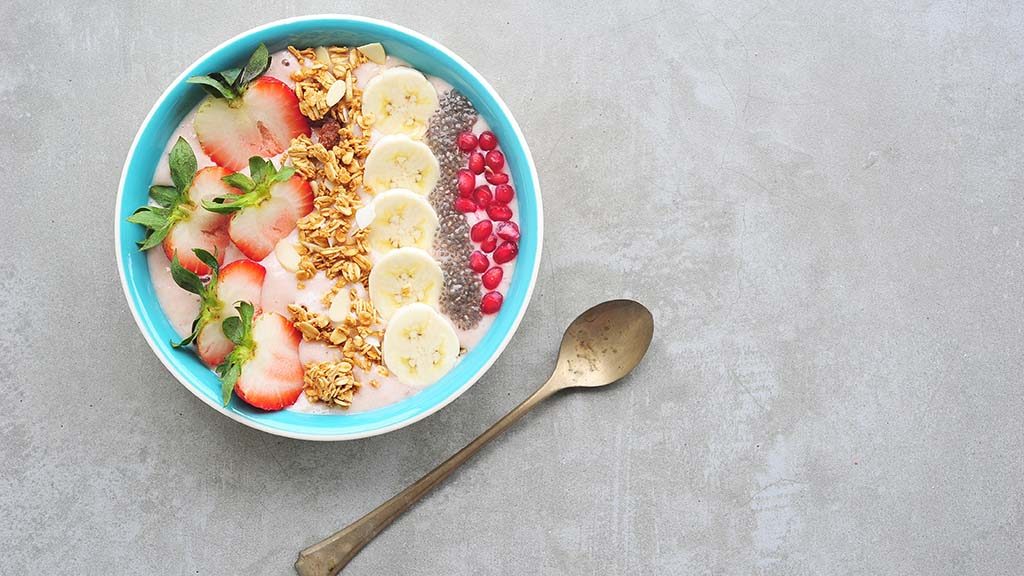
(427, 56)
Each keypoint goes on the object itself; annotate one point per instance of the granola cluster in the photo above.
(358, 337)
(329, 240)
(321, 69)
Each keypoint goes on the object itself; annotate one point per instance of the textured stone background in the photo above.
(821, 202)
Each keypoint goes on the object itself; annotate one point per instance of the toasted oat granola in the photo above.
(329, 240)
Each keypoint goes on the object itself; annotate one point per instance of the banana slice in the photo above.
(405, 276)
(420, 345)
(400, 162)
(401, 218)
(401, 101)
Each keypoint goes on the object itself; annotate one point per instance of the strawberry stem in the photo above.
(230, 84)
(210, 306)
(238, 329)
(255, 187)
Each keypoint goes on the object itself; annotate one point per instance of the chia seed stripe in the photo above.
(460, 298)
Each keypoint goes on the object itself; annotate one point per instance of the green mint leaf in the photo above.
(152, 217)
(240, 181)
(284, 174)
(183, 165)
(166, 196)
(187, 279)
(258, 63)
(232, 327)
(228, 380)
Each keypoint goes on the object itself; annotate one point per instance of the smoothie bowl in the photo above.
(328, 227)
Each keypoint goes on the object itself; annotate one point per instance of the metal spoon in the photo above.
(601, 346)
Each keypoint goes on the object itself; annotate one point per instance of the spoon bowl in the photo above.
(603, 344)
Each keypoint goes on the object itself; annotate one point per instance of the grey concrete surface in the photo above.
(821, 201)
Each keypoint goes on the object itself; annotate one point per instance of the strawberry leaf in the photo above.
(209, 305)
(284, 174)
(226, 204)
(260, 168)
(183, 165)
(208, 259)
(240, 181)
(232, 327)
(230, 84)
(245, 312)
(228, 380)
(257, 187)
(150, 216)
(214, 86)
(258, 63)
(172, 202)
(156, 236)
(186, 279)
(165, 196)
(238, 329)
(156, 220)
(231, 75)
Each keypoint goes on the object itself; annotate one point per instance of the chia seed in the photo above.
(460, 298)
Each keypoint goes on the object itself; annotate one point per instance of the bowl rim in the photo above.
(514, 326)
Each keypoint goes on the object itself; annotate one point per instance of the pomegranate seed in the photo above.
(482, 195)
(466, 182)
(503, 193)
(476, 163)
(508, 231)
(496, 177)
(478, 261)
(488, 140)
(492, 278)
(497, 212)
(466, 142)
(495, 160)
(465, 205)
(480, 230)
(506, 252)
(491, 302)
(489, 243)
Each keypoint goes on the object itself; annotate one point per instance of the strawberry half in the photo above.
(240, 281)
(176, 220)
(264, 367)
(201, 228)
(247, 114)
(272, 379)
(271, 203)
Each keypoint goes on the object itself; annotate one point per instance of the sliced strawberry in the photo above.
(260, 122)
(257, 229)
(201, 228)
(271, 378)
(240, 281)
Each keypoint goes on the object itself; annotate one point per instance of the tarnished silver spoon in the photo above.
(600, 347)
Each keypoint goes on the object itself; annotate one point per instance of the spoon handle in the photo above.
(329, 556)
